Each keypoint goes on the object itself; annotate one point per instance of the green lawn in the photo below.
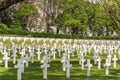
(34, 72)
(55, 72)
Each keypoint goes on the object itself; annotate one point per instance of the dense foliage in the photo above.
(4, 4)
(98, 19)
(74, 17)
(15, 17)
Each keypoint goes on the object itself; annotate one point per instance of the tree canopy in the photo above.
(68, 16)
(4, 4)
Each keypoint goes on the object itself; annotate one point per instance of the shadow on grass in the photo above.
(34, 72)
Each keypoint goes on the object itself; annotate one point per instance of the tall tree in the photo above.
(73, 16)
(6, 16)
(91, 10)
(112, 9)
(22, 14)
(51, 10)
(6, 3)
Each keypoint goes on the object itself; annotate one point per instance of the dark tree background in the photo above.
(6, 3)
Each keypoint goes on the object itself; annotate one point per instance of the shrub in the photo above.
(18, 32)
(21, 32)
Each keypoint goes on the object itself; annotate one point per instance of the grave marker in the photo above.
(6, 58)
(19, 69)
(88, 65)
(99, 62)
(114, 60)
(68, 66)
(44, 67)
(107, 67)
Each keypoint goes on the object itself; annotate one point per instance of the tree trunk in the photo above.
(48, 28)
(107, 32)
(98, 33)
(57, 30)
(6, 3)
(24, 25)
(72, 35)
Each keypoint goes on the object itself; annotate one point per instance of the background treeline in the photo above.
(73, 17)
(21, 33)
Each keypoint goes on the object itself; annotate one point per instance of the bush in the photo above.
(21, 32)
(3, 26)
(76, 36)
(48, 35)
(18, 32)
(16, 24)
(3, 29)
(104, 38)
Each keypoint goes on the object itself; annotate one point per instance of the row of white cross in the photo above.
(81, 48)
(66, 64)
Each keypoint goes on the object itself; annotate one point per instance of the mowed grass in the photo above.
(55, 72)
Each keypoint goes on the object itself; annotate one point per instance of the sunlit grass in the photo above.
(55, 72)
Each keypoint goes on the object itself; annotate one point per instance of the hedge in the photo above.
(20, 32)
(77, 36)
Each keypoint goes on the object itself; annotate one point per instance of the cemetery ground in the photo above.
(55, 72)
(34, 72)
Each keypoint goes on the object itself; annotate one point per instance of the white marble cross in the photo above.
(64, 58)
(99, 62)
(114, 59)
(49, 57)
(59, 52)
(27, 60)
(82, 62)
(32, 55)
(54, 54)
(14, 55)
(9, 51)
(19, 70)
(6, 58)
(22, 62)
(107, 67)
(95, 58)
(38, 53)
(68, 54)
(109, 58)
(22, 52)
(80, 56)
(88, 65)
(68, 66)
(44, 67)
